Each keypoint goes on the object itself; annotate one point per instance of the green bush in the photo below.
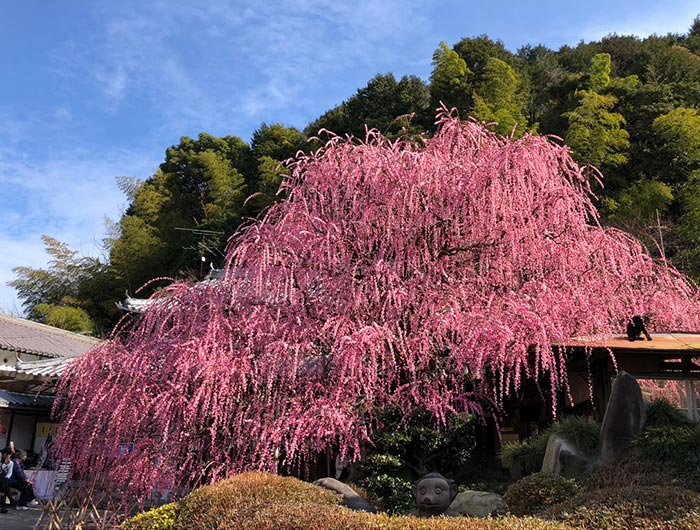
(635, 507)
(394, 493)
(674, 448)
(260, 501)
(582, 433)
(406, 449)
(538, 491)
(162, 518)
(678, 445)
(526, 455)
(661, 413)
(631, 471)
(232, 502)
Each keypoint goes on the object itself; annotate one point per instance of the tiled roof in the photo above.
(17, 399)
(44, 369)
(675, 342)
(135, 305)
(24, 336)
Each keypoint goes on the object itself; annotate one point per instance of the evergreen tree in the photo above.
(600, 72)
(678, 132)
(185, 211)
(497, 99)
(450, 80)
(596, 135)
(74, 292)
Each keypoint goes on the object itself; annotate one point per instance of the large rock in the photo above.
(623, 420)
(475, 504)
(563, 459)
(349, 496)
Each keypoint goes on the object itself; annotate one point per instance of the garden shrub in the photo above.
(661, 413)
(635, 507)
(675, 448)
(162, 518)
(582, 433)
(229, 503)
(259, 501)
(538, 491)
(394, 494)
(526, 455)
(631, 471)
(677, 445)
(406, 449)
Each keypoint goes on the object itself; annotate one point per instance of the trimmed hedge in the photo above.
(538, 491)
(259, 501)
(162, 518)
(238, 501)
(638, 507)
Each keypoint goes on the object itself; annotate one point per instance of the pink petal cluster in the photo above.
(434, 276)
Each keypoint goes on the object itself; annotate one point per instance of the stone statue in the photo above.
(434, 494)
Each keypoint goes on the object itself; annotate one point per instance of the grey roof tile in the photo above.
(24, 336)
(18, 399)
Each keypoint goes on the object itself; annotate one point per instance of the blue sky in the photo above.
(91, 90)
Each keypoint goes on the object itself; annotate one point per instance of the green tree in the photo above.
(477, 51)
(688, 258)
(271, 146)
(137, 253)
(639, 209)
(415, 109)
(679, 134)
(601, 65)
(276, 141)
(449, 82)
(335, 121)
(596, 135)
(374, 106)
(544, 72)
(65, 317)
(497, 99)
(692, 41)
(71, 289)
(384, 104)
(671, 64)
(185, 211)
(627, 55)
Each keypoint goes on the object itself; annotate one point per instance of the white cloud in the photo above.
(211, 65)
(66, 197)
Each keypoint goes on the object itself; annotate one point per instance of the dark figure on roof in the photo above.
(635, 328)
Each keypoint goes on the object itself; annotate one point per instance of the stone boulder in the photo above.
(623, 420)
(349, 496)
(475, 504)
(563, 459)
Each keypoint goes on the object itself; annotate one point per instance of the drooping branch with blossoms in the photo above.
(432, 276)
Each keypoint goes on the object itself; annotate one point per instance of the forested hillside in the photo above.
(628, 106)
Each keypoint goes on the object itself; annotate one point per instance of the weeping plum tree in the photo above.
(430, 277)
